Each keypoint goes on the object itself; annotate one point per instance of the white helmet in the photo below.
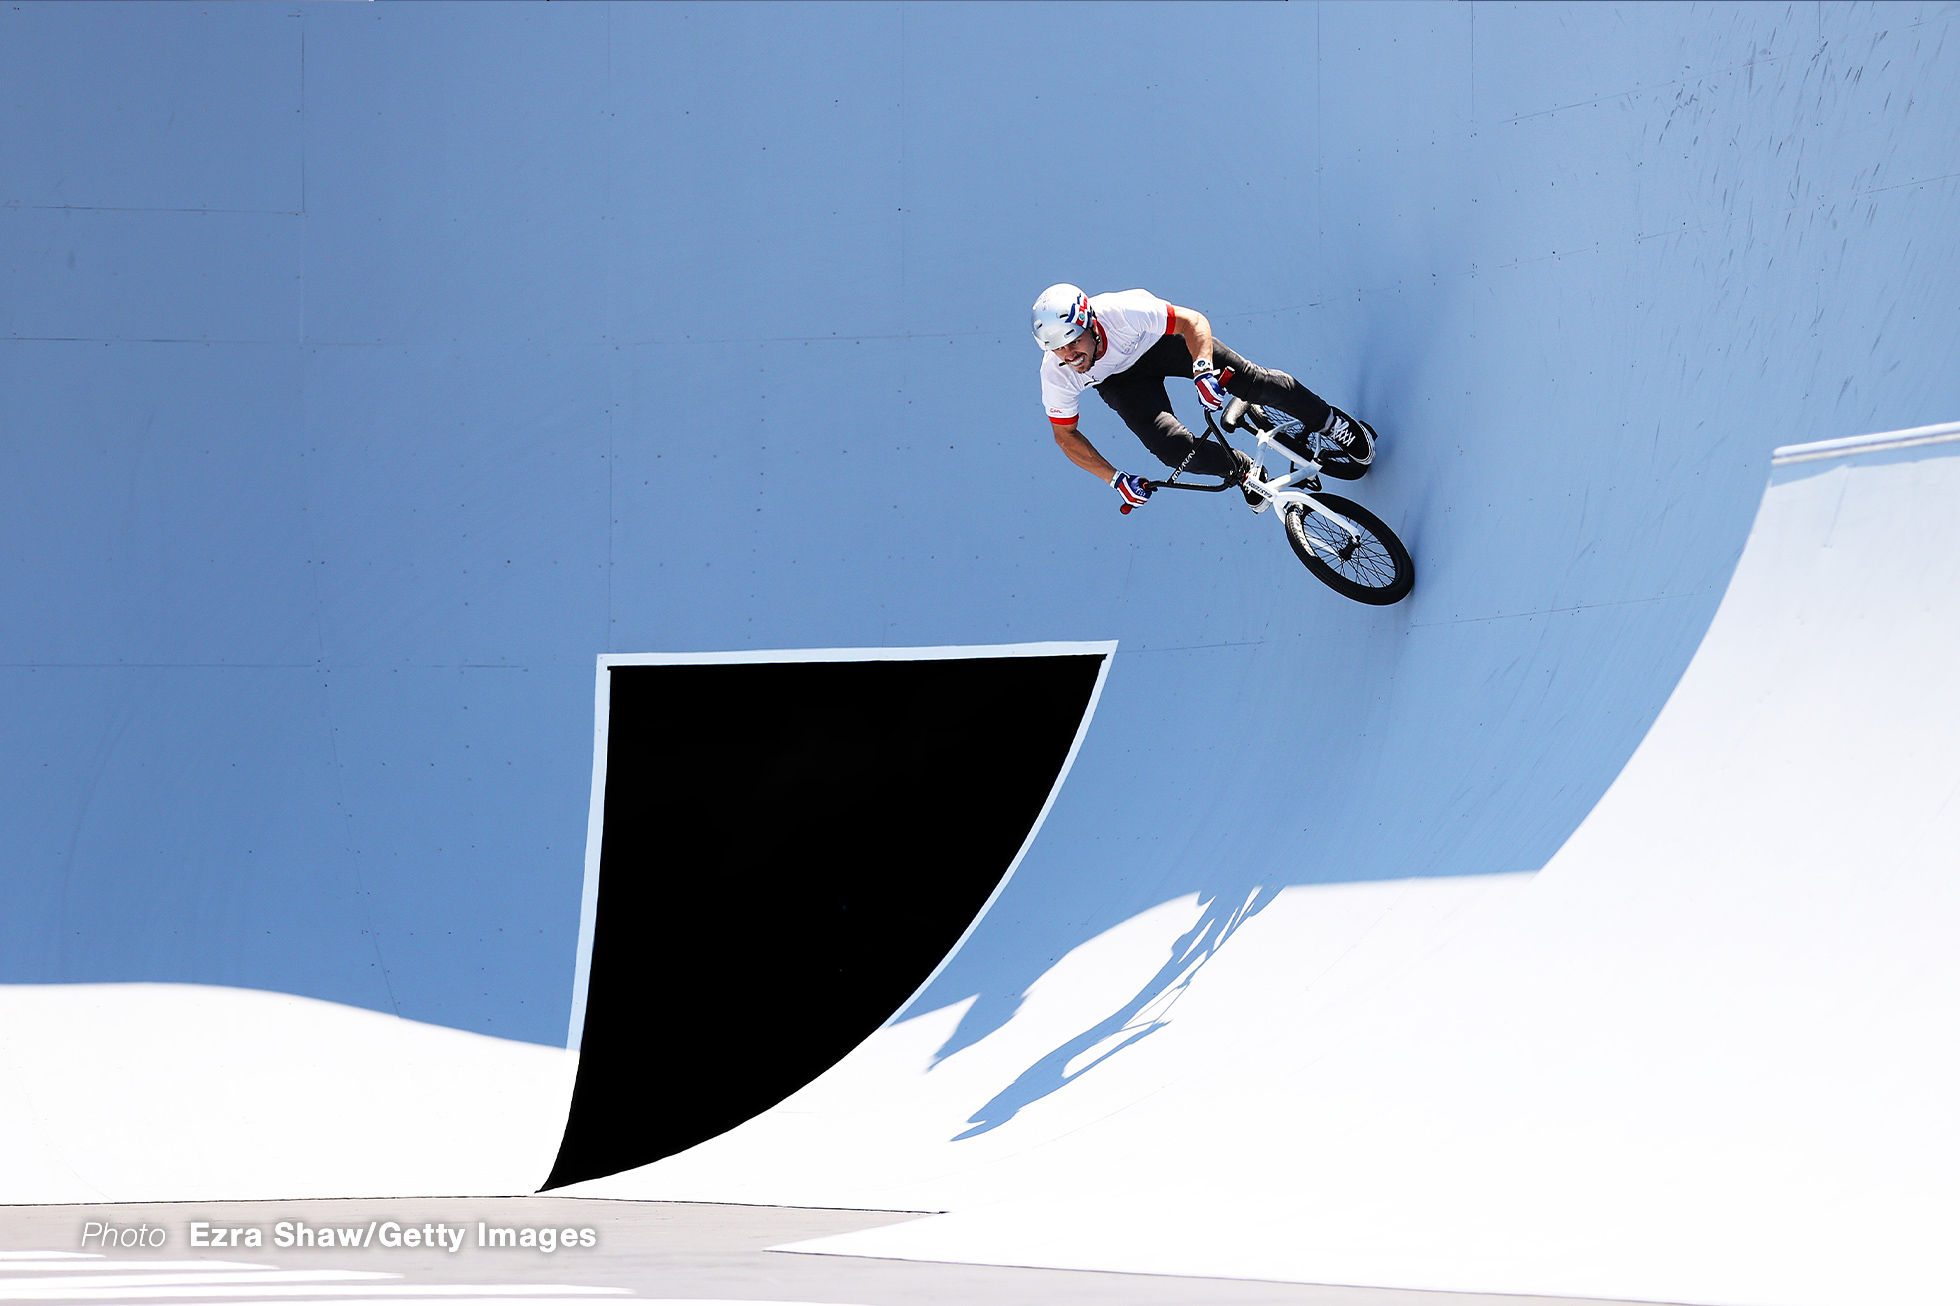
(1060, 315)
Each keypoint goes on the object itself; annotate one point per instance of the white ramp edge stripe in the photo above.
(1906, 439)
(135, 1277)
(43, 1263)
(366, 1292)
(893, 653)
(124, 1280)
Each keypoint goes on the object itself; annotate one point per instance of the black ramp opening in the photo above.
(788, 851)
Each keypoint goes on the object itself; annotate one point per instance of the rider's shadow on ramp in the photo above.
(1137, 1019)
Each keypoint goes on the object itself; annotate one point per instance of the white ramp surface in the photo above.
(192, 1092)
(1706, 1055)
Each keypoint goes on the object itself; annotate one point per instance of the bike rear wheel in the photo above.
(1373, 569)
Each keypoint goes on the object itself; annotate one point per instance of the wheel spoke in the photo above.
(1374, 570)
(1368, 562)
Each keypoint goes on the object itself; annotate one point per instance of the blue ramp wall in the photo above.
(371, 369)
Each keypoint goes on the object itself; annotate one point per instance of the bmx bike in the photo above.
(1346, 547)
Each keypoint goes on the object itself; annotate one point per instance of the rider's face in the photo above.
(1079, 353)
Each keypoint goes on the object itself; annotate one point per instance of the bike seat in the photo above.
(1234, 414)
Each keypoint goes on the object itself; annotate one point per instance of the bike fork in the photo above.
(1312, 505)
(1280, 491)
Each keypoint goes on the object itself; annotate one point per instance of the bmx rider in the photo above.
(1123, 345)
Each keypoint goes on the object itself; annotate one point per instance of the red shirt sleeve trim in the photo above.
(1170, 318)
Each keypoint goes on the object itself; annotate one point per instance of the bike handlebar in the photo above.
(1238, 410)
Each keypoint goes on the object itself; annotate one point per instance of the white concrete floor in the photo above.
(653, 1250)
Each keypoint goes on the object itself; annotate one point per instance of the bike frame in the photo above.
(1274, 489)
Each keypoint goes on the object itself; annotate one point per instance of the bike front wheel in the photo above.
(1372, 569)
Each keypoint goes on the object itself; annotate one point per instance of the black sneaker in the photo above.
(1352, 437)
(1246, 466)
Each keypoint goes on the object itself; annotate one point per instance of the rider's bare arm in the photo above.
(1195, 328)
(1081, 452)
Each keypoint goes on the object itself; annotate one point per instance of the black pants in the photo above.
(1137, 394)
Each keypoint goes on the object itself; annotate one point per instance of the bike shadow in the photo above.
(1136, 1020)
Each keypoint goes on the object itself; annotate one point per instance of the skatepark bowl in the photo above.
(570, 736)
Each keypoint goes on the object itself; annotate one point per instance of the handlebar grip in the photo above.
(1124, 509)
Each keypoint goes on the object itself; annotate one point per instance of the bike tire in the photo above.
(1377, 570)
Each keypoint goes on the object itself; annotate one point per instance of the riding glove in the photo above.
(1211, 385)
(1134, 489)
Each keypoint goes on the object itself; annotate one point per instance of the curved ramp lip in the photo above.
(595, 819)
(929, 653)
(1906, 439)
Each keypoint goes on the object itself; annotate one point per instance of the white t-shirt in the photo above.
(1131, 322)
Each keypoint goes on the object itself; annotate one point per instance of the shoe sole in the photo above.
(1369, 461)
